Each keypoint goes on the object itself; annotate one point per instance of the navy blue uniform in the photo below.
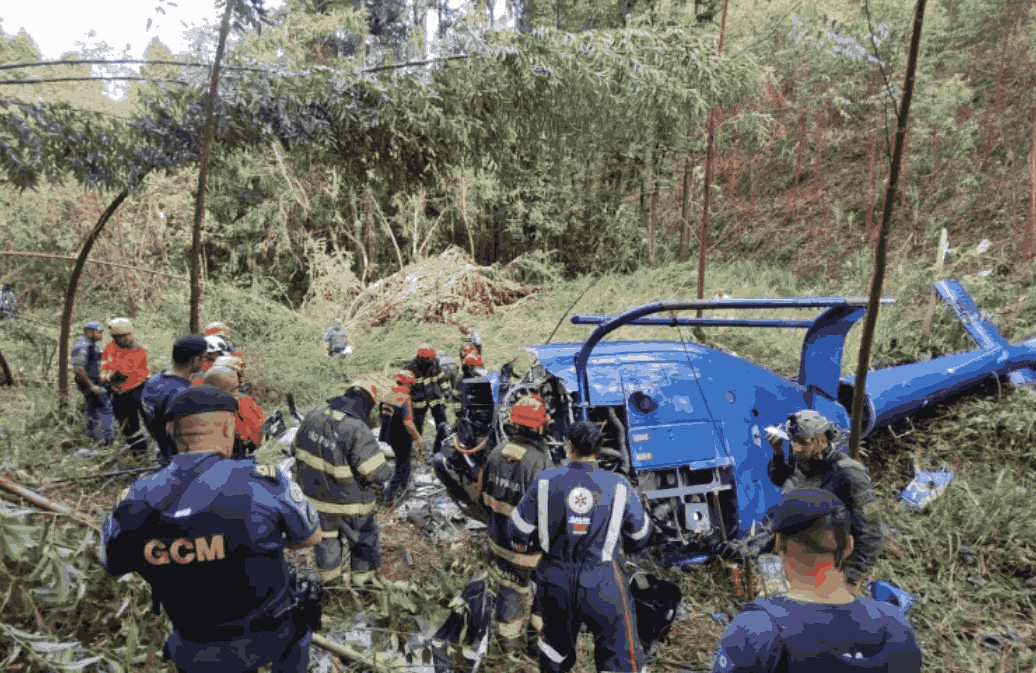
(99, 414)
(208, 534)
(782, 634)
(159, 390)
(580, 514)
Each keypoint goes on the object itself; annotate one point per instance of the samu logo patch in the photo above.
(580, 500)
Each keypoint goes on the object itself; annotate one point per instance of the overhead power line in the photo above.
(280, 73)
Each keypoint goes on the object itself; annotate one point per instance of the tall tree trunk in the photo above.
(651, 231)
(203, 172)
(878, 277)
(464, 216)
(70, 294)
(372, 236)
(703, 230)
(685, 211)
(1030, 226)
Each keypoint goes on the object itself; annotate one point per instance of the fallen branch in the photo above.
(97, 475)
(40, 501)
(378, 662)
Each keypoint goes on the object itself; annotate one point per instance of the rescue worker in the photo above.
(226, 374)
(216, 347)
(428, 391)
(160, 389)
(815, 462)
(576, 514)
(221, 332)
(86, 365)
(474, 340)
(459, 465)
(334, 338)
(8, 303)
(399, 432)
(820, 625)
(124, 370)
(224, 525)
(341, 468)
(512, 467)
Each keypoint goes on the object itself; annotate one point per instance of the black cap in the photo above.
(586, 437)
(200, 399)
(187, 346)
(798, 509)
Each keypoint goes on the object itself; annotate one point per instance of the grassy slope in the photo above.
(987, 437)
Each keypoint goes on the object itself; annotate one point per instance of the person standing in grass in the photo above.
(816, 462)
(820, 625)
(86, 365)
(124, 370)
(399, 432)
(208, 534)
(428, 391)
(160, 389)
(8, 303)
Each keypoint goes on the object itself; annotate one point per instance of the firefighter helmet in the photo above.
(473, 358)
(119, 326)
(425, 350)
(530, 411)
(217, 328)
(365, 386)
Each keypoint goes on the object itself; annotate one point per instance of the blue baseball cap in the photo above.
(199, 400)
(798, 509)
(93, 324)
(187, 346)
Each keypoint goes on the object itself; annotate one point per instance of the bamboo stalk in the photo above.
(40, 501)
(880, 250)
(926, 327)
(377, 661)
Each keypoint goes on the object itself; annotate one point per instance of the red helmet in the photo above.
(406, 377)
(425, 350)
(530, 411)
(473, 358)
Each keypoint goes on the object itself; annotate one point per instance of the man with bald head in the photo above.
(225, 374)
(208, 534)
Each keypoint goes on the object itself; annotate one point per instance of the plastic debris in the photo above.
(683, 560)
(924, 488)
(890, 592)
(983, 246)
(83, 452)
(429, 507)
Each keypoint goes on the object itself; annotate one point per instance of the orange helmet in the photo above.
(473, 358)
(530, 411)
(406, 377)
(425, 350)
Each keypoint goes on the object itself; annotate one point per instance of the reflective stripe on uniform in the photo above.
(371, 464)
(521, 524)
(514, 452)
(614, 523)
(639, 535)
(353, 509)
(523, 560)
(498, 506)
(551, 653)
(328, 534)
(542, 499)
(340, 472)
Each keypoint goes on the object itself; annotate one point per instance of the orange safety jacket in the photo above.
(250, 418)
(129, 362)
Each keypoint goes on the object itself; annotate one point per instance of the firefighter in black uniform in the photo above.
(513, 466)
(341, 469)
(581, 517)
(428, 390)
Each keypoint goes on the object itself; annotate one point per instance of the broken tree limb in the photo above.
(40, 501)
(379, 662)
(98, 475)
(41, 255)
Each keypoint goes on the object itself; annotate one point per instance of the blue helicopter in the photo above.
(686, 422)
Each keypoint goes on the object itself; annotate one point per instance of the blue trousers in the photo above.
(99, 417)
(596, 594)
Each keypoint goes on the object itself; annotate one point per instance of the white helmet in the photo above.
(216, 344)
(119, 326)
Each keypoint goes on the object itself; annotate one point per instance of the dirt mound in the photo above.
(435, 290)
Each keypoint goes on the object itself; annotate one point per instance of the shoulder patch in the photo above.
(268, 471)
(295, 493)
(514, 452)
